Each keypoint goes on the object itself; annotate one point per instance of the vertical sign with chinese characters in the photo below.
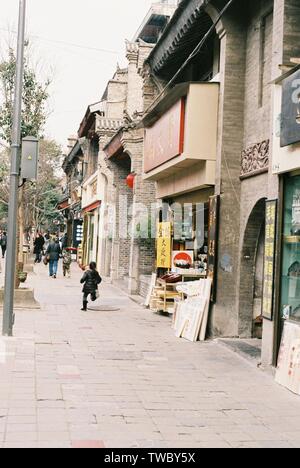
(164, 245)
(269, 264)
(213, 227)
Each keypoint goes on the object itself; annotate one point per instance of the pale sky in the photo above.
(80, 74)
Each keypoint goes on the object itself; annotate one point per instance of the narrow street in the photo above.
(120, 378)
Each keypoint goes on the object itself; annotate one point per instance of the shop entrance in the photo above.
(121, 166)
(252, 269)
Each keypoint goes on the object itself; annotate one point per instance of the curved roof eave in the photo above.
(185, 16)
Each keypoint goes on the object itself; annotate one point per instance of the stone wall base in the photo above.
(24, 299)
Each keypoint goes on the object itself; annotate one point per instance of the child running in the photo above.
(91, 280)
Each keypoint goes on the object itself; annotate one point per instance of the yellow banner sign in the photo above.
(269, 268)
(164, 245)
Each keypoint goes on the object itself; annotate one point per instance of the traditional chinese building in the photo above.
(212, 75)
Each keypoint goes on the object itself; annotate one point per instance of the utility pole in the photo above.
(10, 269)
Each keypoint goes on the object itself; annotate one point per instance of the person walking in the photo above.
(47, 239)
(38, 247)
(3, 243)
(64, 242)
(67, 261)
(91, 280)
(53, 254)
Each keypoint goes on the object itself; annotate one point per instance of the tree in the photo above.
(40, 198)
(37, 201)
(3, 215)
(35, 96)
(34, 112)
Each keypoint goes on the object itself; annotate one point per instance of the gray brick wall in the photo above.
(224, 317)
(245, 119)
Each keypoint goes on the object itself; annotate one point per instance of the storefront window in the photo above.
(290, 297)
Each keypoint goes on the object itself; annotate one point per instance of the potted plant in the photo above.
(22, 275)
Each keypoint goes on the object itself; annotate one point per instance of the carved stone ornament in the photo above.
(255, 159)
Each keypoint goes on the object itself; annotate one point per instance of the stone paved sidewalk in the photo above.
(121, 379)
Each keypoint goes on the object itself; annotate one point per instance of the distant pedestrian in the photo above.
(67, 261)
(64, 241)
(38, 248)
(3, 243)
(53, 254)
(47, 239)
(91, 280)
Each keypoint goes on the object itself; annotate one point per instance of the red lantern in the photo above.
(130, 180)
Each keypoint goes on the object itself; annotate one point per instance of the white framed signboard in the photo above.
(288, 369)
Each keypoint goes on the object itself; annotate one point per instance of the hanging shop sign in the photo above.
(164, 245)
(269, 265)
(213, 233)
(165, 139)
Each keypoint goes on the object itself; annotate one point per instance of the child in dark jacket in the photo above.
(91, 280)
(67, 262)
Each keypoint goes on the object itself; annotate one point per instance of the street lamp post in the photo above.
(10, 270)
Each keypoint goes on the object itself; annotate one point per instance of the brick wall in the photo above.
(248, 54)
(142, 251)
(257, 128)
(224, 317)
(259, 52)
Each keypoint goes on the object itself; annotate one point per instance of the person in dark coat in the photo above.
(53, 254)
(38, 248)
(3, 243)
(64, 242)
(91, 280)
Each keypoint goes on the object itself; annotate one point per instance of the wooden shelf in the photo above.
(164, 296)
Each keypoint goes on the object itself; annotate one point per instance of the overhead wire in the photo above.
(65, 43)
(193, 54)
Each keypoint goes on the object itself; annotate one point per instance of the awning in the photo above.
(64, 205)
(92, 207)
(114, 146)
